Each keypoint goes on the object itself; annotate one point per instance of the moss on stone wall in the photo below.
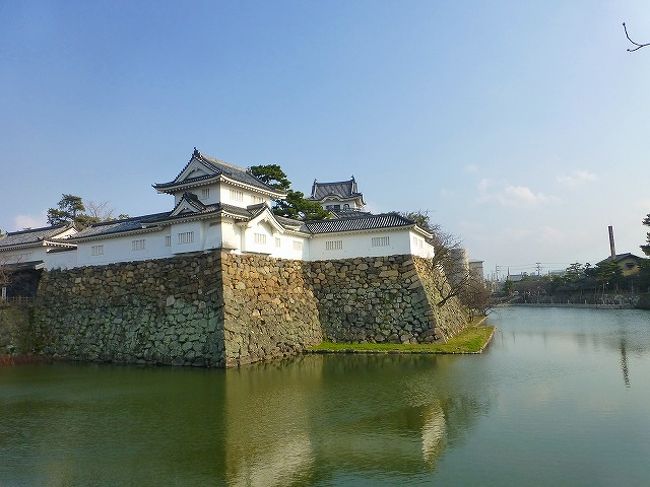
(382, 299)
(270, 310)
(220, 309)
(166, 311)
(16, 333)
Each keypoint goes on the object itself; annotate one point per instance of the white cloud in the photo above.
(576, 178)
(510, 195)
(30, 221)
(518, 195)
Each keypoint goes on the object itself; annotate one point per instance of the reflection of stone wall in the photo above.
(382, 299)
(644, 301)
(270, 310)
(166, 311)
(219, 310)
(15, 331)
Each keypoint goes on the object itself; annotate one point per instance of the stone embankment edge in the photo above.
(408, 352)
(565, 305)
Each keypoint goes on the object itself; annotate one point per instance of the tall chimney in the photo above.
(612, 247)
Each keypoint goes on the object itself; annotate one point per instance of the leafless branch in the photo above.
(99, 210)
(4, 275)
(638, 46)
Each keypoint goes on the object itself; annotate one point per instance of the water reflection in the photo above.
(356, 413)
(624, 366)
(543, 406)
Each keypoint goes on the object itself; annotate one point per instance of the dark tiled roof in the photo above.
(288, 222)
(33, 265)
(349, 213)
(341, 189)
(32, 236)
(117, 226)
(144, 221)
(219, 167)
(386, 220)
(620, 257)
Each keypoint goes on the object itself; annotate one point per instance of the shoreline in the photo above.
(462, 344)
(567, 305)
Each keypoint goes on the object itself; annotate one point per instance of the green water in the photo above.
(561, 397)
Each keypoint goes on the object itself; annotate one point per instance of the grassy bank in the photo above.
(471, 340)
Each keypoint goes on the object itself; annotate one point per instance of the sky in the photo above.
(521, 127)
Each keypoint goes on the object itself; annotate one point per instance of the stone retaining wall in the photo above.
(270, 310)
(219, 309)
(382, 299)
(166, 311)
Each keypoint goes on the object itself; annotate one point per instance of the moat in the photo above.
(560, 397)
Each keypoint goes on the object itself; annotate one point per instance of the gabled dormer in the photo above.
(215, 181)
(188, 203)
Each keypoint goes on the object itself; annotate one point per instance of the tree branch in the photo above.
(638, 46)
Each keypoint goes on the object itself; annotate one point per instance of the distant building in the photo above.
(628, 263)
(338, 196)
(476, 268)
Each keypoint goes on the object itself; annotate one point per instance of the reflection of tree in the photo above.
(284, 423)
(624, 367)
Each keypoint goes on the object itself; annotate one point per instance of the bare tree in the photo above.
(4, 276)
(476, 296)
(454, 280)
(638, 46)
(99, 211)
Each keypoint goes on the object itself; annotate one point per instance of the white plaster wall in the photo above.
(212, 198)
(360, 245)
(250, 197)
(352, 205)
(287, 250)
(420, 247)
(120, 249)
(23, 255)
(262, 228)
(213, 236)
(198, 241)
(68, 233)
(220, 193)
(231, 235)
(61, 260)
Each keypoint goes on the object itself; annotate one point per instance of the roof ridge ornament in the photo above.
(196, 153)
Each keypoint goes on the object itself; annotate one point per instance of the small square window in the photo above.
(137, 244)
(185, 238)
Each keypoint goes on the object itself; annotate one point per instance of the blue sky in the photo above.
(521, 127)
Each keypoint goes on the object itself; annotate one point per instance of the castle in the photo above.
(218, 205)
